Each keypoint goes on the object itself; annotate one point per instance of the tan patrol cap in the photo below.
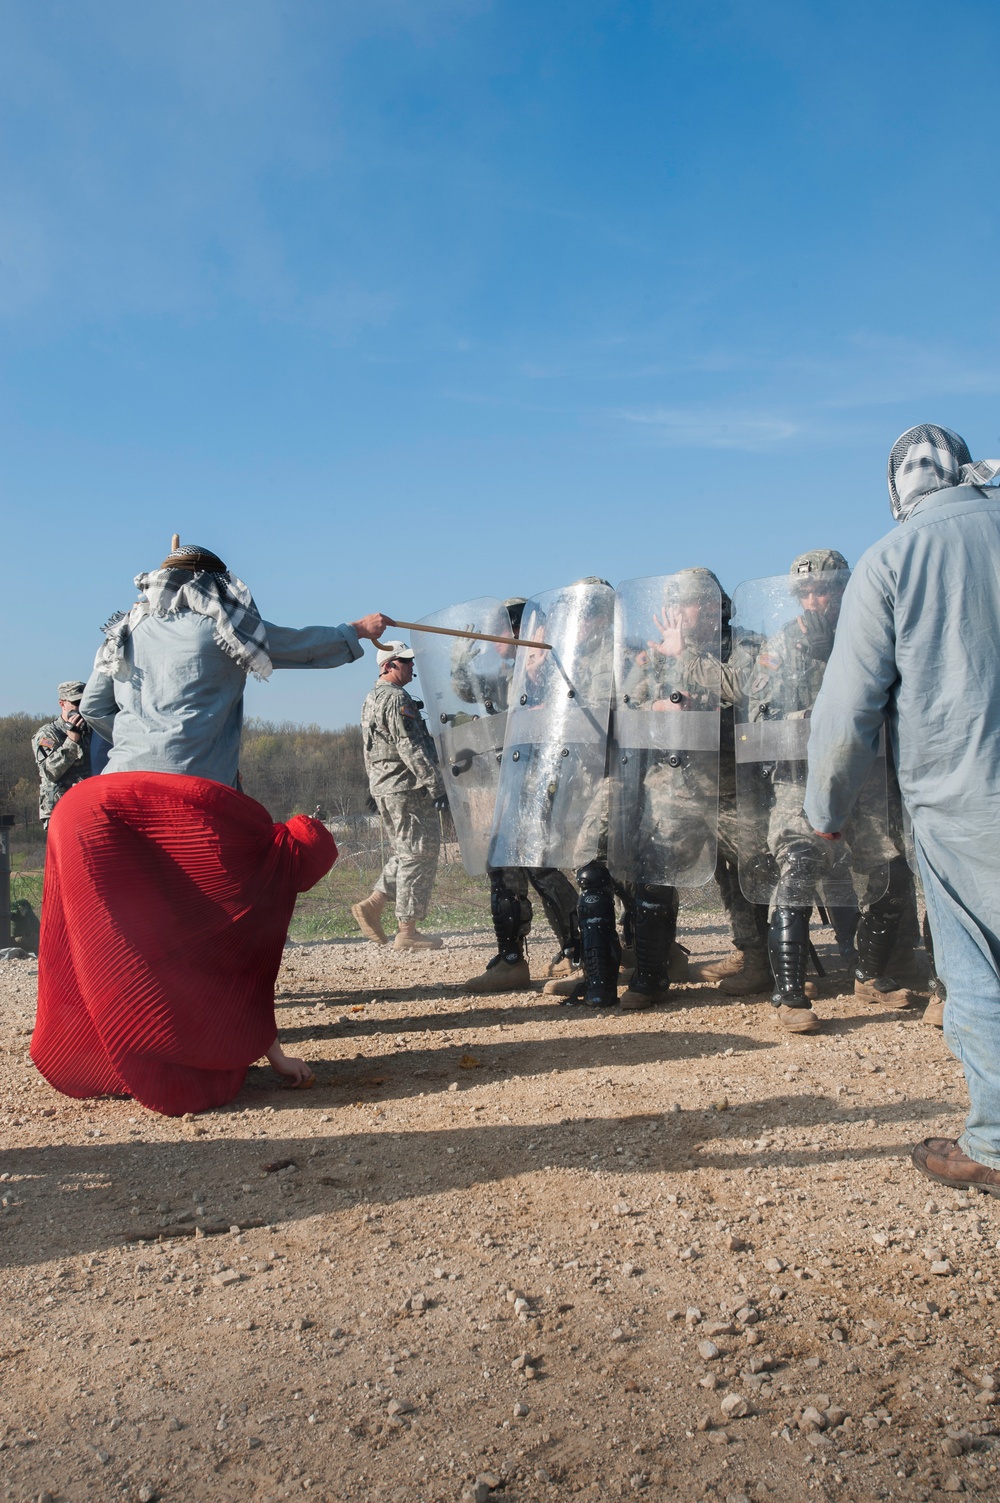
(72, 689)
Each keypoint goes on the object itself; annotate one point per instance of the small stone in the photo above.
(399, 1406)
(719, 1328)
(302, 1324)
(952, 1447)
(704, 1422)
(941, 1268)
(711, 1382)
(46, 1497)
(521, 1411)
(719, 1437)
(491, 1479)
(225, 1278)
(687, 1254)
(520, 1362)
(953, 1484)
(521, 1307)
(835, 1416)
(147, 1494)
(629, 1270)
(812, 1419)
(478, 1493)
(735, 1244)
(774, 1265)
(618, 1334)
(527, 1373)
(734, 1406)
(693, 1315)
(620, 1208)
(708, 1351)
(737, 1498)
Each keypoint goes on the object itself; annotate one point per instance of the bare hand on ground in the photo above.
(296, 1071)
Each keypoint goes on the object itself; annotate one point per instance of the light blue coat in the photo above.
(918, 643)
(180, 706)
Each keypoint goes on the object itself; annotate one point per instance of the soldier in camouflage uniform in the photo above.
(62, 750)
(510, 900)
(686, 664)
(405, 783)
(784, 685)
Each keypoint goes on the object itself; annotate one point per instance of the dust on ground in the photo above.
(505, 1249)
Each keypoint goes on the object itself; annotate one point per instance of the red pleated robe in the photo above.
(165, 908)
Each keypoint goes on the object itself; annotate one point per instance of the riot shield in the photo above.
(781, 860)
(664, 762)
(552, 802)
(466, 687)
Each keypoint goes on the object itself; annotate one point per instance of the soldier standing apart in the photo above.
(62, 750)
(405, 783)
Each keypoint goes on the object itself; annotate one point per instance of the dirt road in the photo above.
(504, 1249)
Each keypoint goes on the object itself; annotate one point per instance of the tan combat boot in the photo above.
(409, 939)
(716, 970)
(564, 986)
(368, 917)
(501, 975)
(751, 976)
(798, 1019)
(882, 991)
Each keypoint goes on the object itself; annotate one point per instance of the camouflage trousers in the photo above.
(413, 829)
(741, 913)
(811, 869)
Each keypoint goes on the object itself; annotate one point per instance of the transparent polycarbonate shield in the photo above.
(552, 802)
(664, 763)
(465, 686)
(781, 860)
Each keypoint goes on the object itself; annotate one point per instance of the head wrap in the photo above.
(928, 458)
(193, 556)
(192, 586)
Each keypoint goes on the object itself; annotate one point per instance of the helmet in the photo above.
(692, 587)
(515, 610)
(817, 561)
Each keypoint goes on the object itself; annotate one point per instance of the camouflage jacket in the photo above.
(789, 671)
(399, 753)
(60, 763)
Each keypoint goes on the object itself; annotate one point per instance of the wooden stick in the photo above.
(477, 636)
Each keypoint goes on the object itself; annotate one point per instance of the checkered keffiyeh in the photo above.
(928, 458)
(223, 598)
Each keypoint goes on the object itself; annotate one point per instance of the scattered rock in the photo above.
(734, 1406)
(521, 1411)
(941, 1268)
(952, 1484)
(225, 1278)
(708, 1351)
(399, 1406)
(952, 1447)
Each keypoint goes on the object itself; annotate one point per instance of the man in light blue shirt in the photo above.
(917, 645)
(167, 686)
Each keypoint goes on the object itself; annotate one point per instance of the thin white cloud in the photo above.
(714, 428)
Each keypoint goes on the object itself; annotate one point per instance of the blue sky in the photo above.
(397, 304)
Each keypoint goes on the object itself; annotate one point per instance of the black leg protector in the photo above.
(599, 944)
(563, 918)
(511, 919)
(788, 952)
(879, 923)
(654, 925)
(801, 868)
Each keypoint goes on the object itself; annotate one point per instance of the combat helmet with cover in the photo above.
(818, 561)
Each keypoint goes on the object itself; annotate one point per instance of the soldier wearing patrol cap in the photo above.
(405, 782)
(62, 750)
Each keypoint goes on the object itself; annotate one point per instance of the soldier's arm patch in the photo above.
(46, 744)
(769, 660)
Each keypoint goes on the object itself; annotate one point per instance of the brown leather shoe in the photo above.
(943, 1160)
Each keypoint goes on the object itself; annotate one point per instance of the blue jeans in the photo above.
(971, 1015)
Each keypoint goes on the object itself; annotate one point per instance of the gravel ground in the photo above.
(504, 1249)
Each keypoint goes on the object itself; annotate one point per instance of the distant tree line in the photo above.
(290, 769)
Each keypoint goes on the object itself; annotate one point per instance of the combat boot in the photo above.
(717, 970)
(504, 973)
(562, 965)
(788, 952)
(368, 917)
(875, 939)
(409, 939)
(753, 975)
(933, 1013)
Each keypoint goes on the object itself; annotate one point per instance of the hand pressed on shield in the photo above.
(296, 1071)
(671, 629)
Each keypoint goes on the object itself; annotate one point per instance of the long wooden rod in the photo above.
(477, 636)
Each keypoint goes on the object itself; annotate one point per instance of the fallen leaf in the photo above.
(469, 1062)
(276, 1164)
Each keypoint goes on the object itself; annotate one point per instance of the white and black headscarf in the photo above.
(928, 458)
(186, 584)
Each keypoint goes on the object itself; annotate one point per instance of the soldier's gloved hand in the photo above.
(441, 804)
(819, 634)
